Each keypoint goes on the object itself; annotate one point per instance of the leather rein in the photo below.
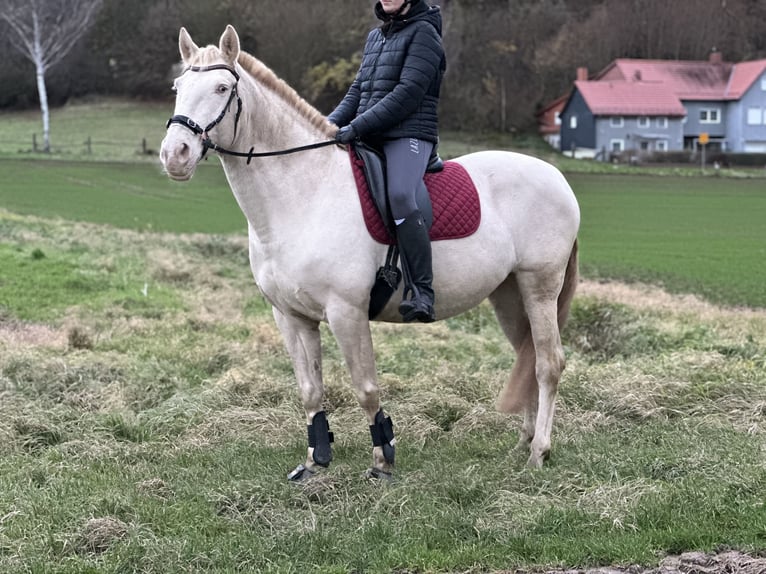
(207, 143)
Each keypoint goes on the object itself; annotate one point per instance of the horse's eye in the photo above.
(222, 89)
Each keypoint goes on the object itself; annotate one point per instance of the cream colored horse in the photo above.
(314, 260)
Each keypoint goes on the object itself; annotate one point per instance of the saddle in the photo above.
(450, 207)
(373, 163)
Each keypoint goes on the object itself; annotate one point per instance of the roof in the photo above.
(689, 79)
(606, 98)
(743, 76)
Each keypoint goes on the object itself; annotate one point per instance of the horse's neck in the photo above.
(276, 192)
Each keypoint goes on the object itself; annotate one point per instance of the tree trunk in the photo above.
(41, 89)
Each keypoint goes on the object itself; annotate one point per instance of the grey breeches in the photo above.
(406, 162)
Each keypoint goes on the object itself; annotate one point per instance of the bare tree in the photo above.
(45, 31)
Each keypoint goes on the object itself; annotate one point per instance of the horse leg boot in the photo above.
(415, 247)
(382, 432)
(320, 439)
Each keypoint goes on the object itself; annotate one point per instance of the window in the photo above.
(763, 83)
(662, 145)
(644, 122)
(573, 122)
(662, 123)
(710, 116)
(644, 146)
(557, 119)
(617, 145)
(754, 116)
(616, 121)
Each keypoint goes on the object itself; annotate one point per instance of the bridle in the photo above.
(207, 143)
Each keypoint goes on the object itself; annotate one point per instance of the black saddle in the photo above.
(389, 276)
(374, 162)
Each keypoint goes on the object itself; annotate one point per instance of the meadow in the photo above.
(148, 411)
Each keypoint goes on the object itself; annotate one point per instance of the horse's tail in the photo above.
(522, 387)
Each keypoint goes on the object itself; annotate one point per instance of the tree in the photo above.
(46, 30)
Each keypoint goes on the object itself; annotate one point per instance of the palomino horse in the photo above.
(314, 260)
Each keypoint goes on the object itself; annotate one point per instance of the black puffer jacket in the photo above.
(396, 91)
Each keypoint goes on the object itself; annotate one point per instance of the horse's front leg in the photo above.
(303, 343)
(351, 328)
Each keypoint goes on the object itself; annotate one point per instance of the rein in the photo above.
(207, 143)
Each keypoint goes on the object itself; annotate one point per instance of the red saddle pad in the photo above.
(454, 199)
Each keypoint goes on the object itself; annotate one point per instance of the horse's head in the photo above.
(206, 103)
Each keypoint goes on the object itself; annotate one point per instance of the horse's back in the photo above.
(526, 197)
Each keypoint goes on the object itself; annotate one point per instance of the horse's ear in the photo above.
(229, 45)
(186, 46)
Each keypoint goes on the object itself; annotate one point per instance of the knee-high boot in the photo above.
(415, 248)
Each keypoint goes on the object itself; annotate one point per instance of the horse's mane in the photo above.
(265, 76)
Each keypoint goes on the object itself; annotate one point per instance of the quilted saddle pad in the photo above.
(454, 199)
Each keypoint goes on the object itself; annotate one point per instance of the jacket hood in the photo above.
(419, 10)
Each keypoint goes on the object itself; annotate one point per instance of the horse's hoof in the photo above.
(378, 474)
(300, 474)
(537, 460)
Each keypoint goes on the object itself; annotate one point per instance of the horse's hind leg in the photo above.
(520, 393)
(540, 292)
(351, 329)
(302, 340)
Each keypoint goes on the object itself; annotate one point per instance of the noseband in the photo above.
(190, 124)
(207, 143)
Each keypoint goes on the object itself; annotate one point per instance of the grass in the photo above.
(149, 415)
(159, 441)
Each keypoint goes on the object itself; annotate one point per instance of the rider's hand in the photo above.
(346, 134)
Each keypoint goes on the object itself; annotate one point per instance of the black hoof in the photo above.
(300, 474)
(378, 474)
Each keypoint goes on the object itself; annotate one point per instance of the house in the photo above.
(665, 105)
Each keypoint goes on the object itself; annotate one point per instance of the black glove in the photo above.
(346, 134)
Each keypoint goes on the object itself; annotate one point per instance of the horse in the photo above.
(314, 260)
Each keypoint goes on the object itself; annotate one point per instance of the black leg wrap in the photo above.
(320, 438)
(383, 436)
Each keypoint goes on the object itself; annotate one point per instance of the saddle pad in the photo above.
(454, 199)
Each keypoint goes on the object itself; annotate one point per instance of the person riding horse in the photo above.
(392, 104)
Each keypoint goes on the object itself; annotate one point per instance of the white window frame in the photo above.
(616, 121)
(662, 145)
(619, 144)
(755, 116)
(573, 122)
(557, 118)
(706, 116)
(763, 83)
(644, 122)
(662, 122)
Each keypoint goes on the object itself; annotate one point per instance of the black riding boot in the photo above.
(415, 248)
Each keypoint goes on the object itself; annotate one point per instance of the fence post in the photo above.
(34, 143)
(88, 146)
(143, 146)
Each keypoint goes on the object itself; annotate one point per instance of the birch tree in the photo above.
(44, 31)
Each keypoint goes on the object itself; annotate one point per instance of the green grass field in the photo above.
(149, 413)
(689, 234)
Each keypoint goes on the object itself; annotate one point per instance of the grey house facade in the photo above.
(648, 106)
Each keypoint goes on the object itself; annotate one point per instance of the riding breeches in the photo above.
(406, 162)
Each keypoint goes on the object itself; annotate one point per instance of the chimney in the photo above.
(582, 74)
(715, 56)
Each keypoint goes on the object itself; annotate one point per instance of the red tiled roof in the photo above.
(629, 98)
(687, 80)
(742, 77)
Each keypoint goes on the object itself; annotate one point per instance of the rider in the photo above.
(393, 103)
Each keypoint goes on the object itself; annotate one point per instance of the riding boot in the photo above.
(415, 248)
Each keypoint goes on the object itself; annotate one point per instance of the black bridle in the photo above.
(207, 143)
